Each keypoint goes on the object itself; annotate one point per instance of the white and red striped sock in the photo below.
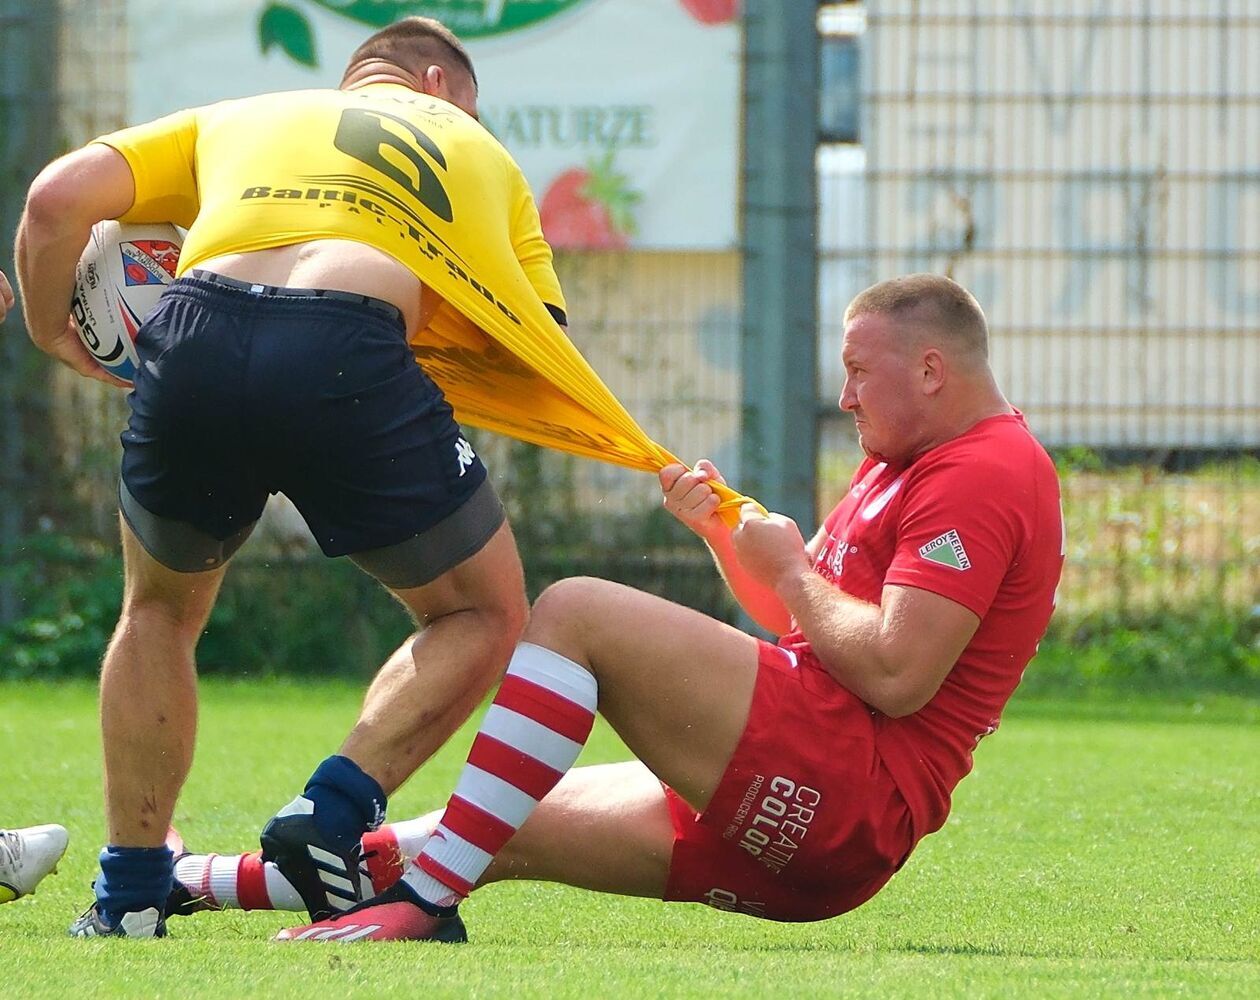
(237, 882)
(244, 882)
(531, 735)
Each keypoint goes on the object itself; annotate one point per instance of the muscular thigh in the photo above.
(490, 579)
(674, 683)
(605, 827)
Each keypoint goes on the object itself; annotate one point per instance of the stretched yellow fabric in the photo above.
(547, 394)
(420, 180)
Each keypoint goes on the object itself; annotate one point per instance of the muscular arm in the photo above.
(690, 499)
(68, 197)
(759, 602)
(893, 656)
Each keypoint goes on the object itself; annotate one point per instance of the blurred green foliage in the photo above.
(310, 616)
(1159, 590)
(317, 617)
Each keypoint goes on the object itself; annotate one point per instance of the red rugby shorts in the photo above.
(806, 822)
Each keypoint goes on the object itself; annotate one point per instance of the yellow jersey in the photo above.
(426, 183)
(406, 173)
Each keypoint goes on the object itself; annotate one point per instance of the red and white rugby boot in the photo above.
(394, 915)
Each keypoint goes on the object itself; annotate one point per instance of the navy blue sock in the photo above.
(348, 802)
(132, 879)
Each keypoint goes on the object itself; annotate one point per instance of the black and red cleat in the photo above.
(394, 915)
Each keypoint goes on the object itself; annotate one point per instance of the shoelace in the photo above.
(10, 849)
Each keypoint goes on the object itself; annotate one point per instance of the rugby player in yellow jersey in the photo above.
(326, 228)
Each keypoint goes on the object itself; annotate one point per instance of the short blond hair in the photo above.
(927, 300)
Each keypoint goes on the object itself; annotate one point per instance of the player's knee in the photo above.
(147, 614)
(490, 630)
(506, 614)
(509, 620)
(566, 606)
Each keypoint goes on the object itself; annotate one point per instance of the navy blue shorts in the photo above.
(243, 391)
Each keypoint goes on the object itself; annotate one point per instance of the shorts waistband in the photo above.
(388, 309)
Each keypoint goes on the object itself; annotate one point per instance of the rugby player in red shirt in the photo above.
(787, 781)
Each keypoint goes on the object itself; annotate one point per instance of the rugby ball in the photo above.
(123, 272)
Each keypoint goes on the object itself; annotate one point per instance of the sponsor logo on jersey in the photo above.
(946, 549)
(347, 196)
(834, 563)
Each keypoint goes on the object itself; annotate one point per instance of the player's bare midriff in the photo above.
(344, 265)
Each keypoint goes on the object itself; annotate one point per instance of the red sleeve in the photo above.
(960, 529)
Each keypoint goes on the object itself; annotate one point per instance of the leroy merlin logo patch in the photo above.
(946, 549)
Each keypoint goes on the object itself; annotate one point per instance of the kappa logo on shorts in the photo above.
(464, 455)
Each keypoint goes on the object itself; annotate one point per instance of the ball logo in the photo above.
(121, 274)
(149, 262)
(84, 322)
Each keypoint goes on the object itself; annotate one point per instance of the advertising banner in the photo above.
(623, 115)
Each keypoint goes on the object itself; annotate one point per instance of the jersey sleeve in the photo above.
(532, 249)
(162, 157)
(959, 531)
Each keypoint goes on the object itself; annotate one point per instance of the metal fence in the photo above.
(1088, 169)
(1090, 173)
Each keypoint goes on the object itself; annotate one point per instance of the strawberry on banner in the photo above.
(589, 209)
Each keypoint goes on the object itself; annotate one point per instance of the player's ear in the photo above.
(434, 80)
(933, 371)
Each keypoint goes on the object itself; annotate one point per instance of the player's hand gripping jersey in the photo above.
(420, 180)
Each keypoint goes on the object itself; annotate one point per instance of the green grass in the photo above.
(1111, 849)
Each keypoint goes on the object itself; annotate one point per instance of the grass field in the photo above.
(1111, 849)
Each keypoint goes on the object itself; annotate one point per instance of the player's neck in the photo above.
(968, 407)
(377, 73)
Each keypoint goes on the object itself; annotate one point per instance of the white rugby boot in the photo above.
(26, 856)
